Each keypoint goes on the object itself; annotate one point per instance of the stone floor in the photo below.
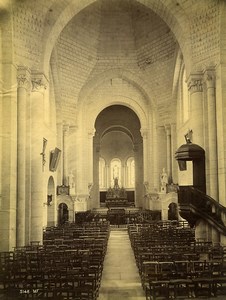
(120, 278)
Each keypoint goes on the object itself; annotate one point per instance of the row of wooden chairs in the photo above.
(55, 269)
(172, 264)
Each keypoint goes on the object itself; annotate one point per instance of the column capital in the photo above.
(209, 77)
(195, 83)
(167, 129)
(39, 82)
(144, 133)
(160, 128)
(91, 133)
(66, 128)
(23, 78)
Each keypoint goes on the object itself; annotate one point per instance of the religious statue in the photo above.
(115, 171)
(71, 180)
(146, 186)
(116, 185)
(164, 180)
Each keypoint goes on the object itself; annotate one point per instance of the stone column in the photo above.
(23, 80)
(8, 153)
(125, 171)
(65, 160)
(196, 104)
(95, 195)
(91, 201)
(28, 170)
(146, 163)
(168, 151)
(39, 83)
(161, 155)
(60, 145)
(173, 150)
(139, 178)
(108, 176)
(212, 133)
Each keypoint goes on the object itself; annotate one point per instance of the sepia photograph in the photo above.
(112, 149)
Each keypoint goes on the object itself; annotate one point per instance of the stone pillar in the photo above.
(95, 195)
(196, 104)
(60, 145)
(155, 158)
(161, 155)
(23, 79)
(123, 174)
(108, 176)
(39, 84)
(168, 152)
(212, 134)
(28, 169)
(126, 181)
(146, 163)
(139, 179)
(65, 160)
(8, 152)
(173, 150)
(92, 202)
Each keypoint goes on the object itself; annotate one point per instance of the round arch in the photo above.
(118, 73)
(49, 218)
(63, 213)
(90, 112)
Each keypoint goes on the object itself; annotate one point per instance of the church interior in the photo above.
(112, 149)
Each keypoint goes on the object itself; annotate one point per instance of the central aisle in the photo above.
(120, 278)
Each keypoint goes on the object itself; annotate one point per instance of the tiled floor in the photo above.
(120, 279)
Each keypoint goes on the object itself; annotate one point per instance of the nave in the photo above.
(97, 261)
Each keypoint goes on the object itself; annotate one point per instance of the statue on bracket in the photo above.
(164, 180)
(71, 180)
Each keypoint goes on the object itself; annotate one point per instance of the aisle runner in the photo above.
(120, 279)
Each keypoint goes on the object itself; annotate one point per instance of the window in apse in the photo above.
(131, 173)
(102, 173)
(116, 172)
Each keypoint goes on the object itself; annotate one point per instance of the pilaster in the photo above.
(65, 155)
(168, 150)
(8, 154)
(144, 134)
(39, 85)
(209, 77)
(23, 88)
(195, 87)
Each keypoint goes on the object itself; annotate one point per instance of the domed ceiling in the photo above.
(110, 35)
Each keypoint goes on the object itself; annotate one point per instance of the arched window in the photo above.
(130, 183)
(185, 101)
(116, 171)
(102, 173)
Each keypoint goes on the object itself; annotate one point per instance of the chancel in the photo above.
(112, 149)
(116, 196)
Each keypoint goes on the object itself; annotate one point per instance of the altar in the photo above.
(116, 196)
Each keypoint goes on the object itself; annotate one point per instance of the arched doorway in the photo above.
(117, 138)
(173, 211)
(63, 214)
(49, 205)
